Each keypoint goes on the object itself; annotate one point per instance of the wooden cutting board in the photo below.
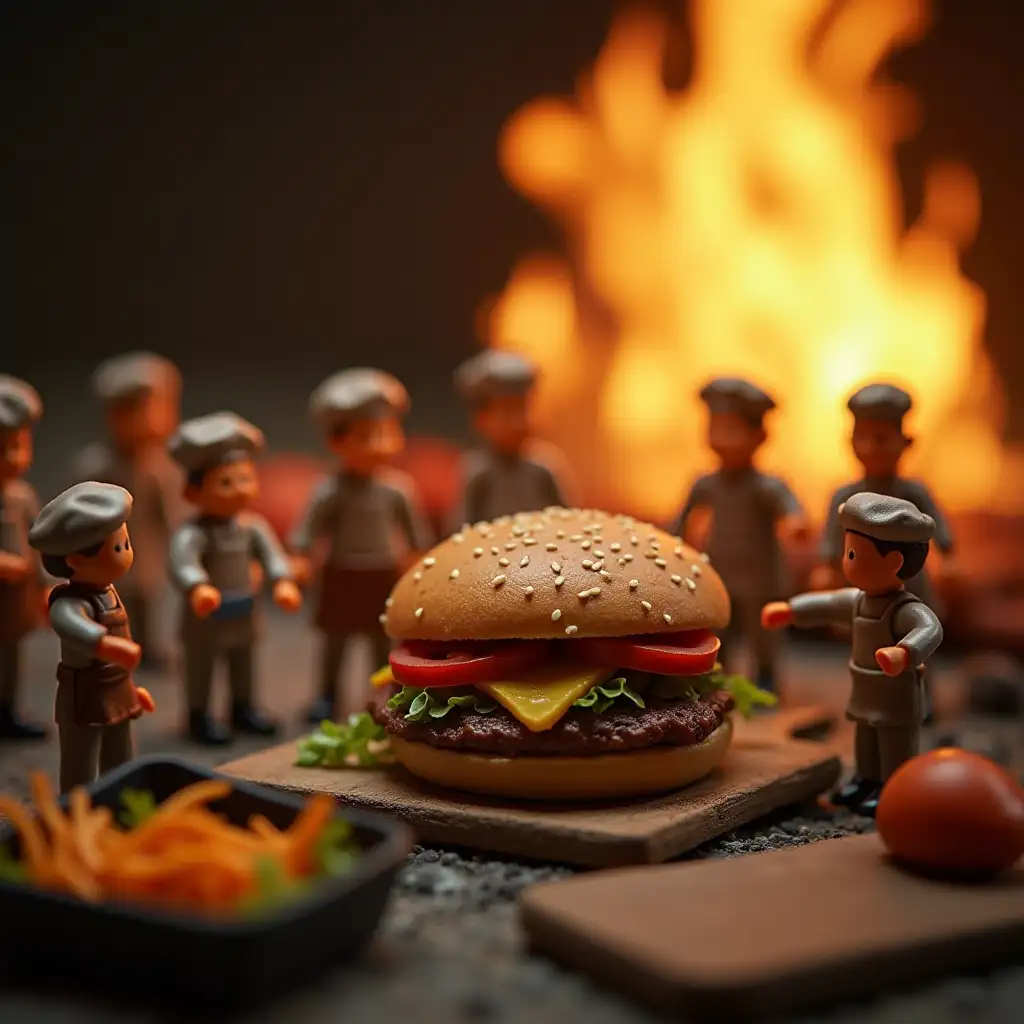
(761, 774)
(773, 933)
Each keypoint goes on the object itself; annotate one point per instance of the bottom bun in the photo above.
(604, 777)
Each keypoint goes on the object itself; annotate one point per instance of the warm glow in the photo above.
(750, 225)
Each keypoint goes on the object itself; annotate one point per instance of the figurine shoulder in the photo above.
(21, 493)
(547, 457)
(93, 462)
(704, 487)
(252, 521)
(475, 463)
(398, 482)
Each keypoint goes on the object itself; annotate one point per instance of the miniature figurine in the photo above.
(886, 543)
(210, 564)
(510, 475)
(22, 581)
(83, 539)
(368, 518)
(879, 443)
(141, 395)
(738, 513)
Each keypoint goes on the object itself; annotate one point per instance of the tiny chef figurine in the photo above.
(738, 513)
(365, 515)
(83, 539)
(22, 581)
(515, 473)
(879, 443)
(141, 394)
(885, 544)
(210, 564)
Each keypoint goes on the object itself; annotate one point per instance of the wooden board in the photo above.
(773, 933)
(756, 779)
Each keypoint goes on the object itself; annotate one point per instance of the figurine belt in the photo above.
(233, 605)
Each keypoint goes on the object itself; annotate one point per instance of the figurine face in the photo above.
(226, 490)
(149, 420)
(504, 422)
(110, 563)
(734, 440)
(368, 445)
(866, 569)
(879, 445)
(15, 453)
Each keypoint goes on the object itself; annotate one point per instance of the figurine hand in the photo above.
(794, 528)
(13, 568)
(120, 651)
(205, 600)
(824, 577)
(776, 614)
(145, 699)
(287, 595)
(698, 527)
(891, 660)
(302, 569)
(45, 603)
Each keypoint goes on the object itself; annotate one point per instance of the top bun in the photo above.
(556, 574)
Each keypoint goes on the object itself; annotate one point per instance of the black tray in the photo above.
(169, 958)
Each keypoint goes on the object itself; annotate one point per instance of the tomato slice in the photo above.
(668, 654)
(420, 663)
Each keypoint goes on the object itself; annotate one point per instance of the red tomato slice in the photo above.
(667, 654)
(419, 663)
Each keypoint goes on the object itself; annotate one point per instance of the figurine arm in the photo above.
(923, 499)
(832, 536)
(921, 629)
(699, 496)
(474, 487)
(412, 521)
(267, 548)
(188, 545)
(830, 608)
(30, 510)
(314, 522)
(72, 621)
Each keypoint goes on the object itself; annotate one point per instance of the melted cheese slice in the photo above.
(382, 677)
(544, 695)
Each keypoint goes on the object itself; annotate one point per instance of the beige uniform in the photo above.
(746, 507)
(219, 552)
(887, 710)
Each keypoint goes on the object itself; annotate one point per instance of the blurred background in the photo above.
(809, 193)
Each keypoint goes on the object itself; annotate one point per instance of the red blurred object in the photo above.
(952, 810)
(287, 480)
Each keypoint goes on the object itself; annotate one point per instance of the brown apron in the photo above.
(877, 699)
(352, 600)
(101, 693)
(19, 614)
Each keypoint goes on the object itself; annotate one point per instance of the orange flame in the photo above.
(751, 225)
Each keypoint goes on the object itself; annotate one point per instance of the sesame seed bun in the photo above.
(606, 777)
(556, 574)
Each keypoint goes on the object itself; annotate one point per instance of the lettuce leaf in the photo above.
(138, 804)
(437, 702)
(601, 697)
(746, 695)
(360, 742)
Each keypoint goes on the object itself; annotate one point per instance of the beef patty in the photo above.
(581, 732)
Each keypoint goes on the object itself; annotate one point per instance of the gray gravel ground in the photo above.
(450, 949)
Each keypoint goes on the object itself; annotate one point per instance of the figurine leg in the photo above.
(79, 754)
(332, 652)
(198, 680)
(896, 744)
(765, 644)
(867, 769)
(116, 747)
(244, 716)
(11, 726)
(730, 640)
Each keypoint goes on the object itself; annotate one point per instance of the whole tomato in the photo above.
(951, 810)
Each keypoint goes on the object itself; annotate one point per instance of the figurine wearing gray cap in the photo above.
(140, 393)
(367, 518)
(83, 537)
(515, 472)
(879, 443)
(739, 514)
(21, 577)
(210, 563)
(885, 544)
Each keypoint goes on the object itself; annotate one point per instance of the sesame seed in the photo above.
(457, 538)
(550, 547)
(517, 531)
(482, 526)
(606, 574)
(389, 602)
(599, 554)
(695, 570)
(646, 605)
(677, 551)
(690, 583)
(417, 576)
(454, 574)
(667, 617)
(628, 557)
(633, 584)
(382, 619)
(510, 546)
(569, 630)
(677, 579)
(528, 591)
(524, 561)
(494, 550)
(595, 591)
(574, 537)
(503, 562)
(555, 567)
(559, 580)
(622, 562)
(529, 541)
(583, 595)
(585, 544)
(615, 546)
(634, 540)
(705, 557)
(650, 554)
(497, 581)
(556, 614)
(418, 613)
(428, 562)
(660, 563)
(587, 563)
(560, 534)
(597, 566)
(477, 552)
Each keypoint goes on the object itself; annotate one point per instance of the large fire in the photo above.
(751, 225)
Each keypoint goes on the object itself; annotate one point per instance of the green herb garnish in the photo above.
(601, 697)
(745, 694)
(437, 702)
(139, 805)
(360, 742)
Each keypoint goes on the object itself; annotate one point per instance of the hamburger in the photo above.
(566, 654)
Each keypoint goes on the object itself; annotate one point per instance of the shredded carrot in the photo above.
(183, 855)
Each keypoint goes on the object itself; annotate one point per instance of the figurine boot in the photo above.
(853, 793)
(245, 718)
(869, 804)
(14, 728)
(204, 730)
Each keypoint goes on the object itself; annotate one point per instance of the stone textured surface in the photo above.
(450, 949)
